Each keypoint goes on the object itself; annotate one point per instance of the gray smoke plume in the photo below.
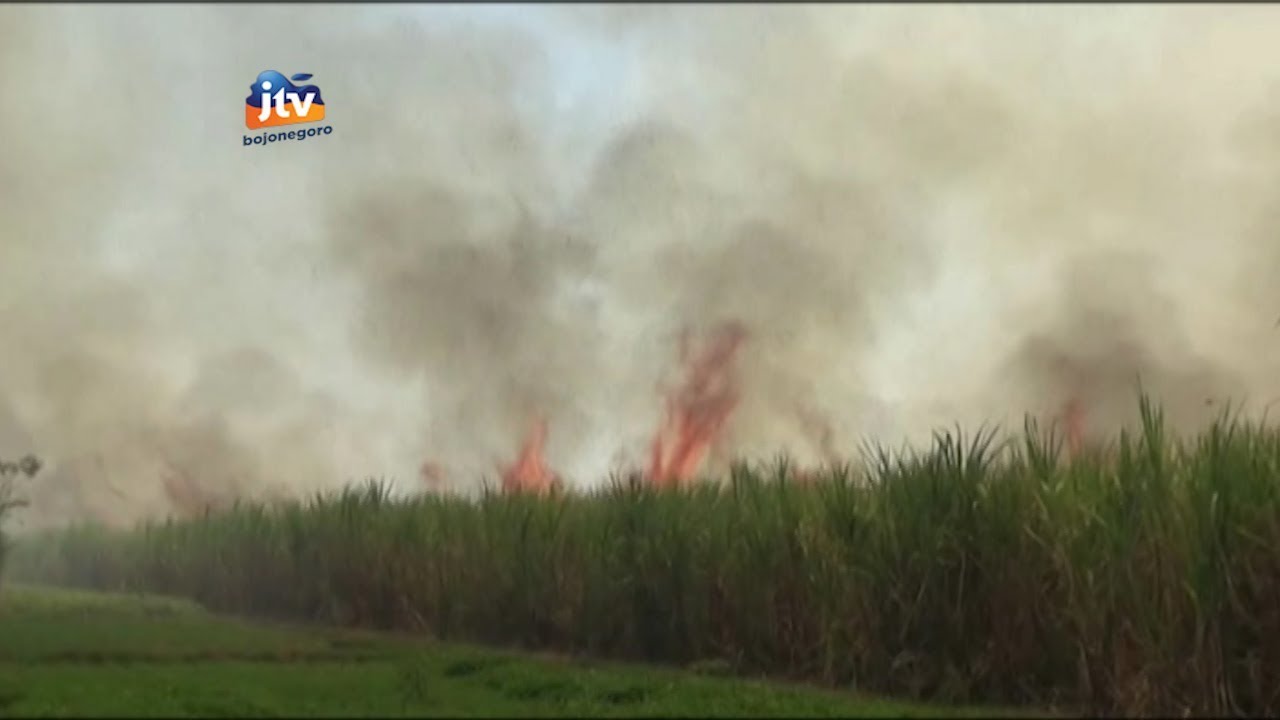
(921, 215)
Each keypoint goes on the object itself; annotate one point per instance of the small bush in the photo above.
(9, 499)
(8, 503)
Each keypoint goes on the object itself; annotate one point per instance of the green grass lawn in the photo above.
(68, 653)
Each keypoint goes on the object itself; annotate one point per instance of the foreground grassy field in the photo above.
(66, 653)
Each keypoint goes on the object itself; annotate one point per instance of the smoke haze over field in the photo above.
(921, 215)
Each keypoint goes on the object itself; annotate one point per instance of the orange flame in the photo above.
(696, 413)
(698, 409)
(530, 472)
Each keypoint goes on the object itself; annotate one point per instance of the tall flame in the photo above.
(530, 472)
(698, 409)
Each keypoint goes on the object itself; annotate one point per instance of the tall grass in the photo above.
(1139, 578)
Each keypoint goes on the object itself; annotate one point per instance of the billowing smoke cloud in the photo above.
(920, 215)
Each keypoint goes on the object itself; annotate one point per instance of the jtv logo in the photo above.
(274, 100)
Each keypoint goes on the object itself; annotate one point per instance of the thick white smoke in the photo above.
(922, 215)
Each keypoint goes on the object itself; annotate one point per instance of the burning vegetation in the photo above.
(530, 472)
(697, 410)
